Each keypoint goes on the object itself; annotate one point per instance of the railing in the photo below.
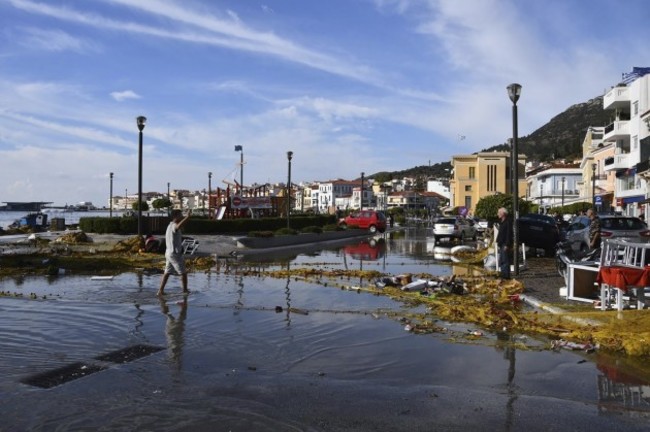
(617, 129)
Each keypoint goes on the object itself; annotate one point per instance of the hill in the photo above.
(560, 138)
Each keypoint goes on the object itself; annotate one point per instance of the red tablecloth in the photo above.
(624, 277)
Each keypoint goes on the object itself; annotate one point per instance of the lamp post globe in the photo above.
(514, 92)
(140, 121)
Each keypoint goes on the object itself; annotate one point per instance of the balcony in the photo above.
(621, 161)
(617, 130)
(618, 97)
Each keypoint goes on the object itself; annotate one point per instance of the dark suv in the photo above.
(365, 219)
(539, 231)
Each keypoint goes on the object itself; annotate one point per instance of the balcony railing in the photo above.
(617, 97)
(617, 130)
(621, 161)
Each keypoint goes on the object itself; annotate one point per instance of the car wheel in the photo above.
(372, 229)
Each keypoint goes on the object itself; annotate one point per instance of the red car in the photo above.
(365, 219)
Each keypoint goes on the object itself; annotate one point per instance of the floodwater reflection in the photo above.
(174, 330)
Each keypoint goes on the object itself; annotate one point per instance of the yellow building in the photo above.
(483, 174)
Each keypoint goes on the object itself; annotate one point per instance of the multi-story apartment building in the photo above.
(553, 185)
(330, 191)
(629, 103)
(483, 174)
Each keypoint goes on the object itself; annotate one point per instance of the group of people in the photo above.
(505, 238)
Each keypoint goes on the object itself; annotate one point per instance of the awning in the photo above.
(645, 201)
(633, 199)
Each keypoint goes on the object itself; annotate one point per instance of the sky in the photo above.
(349, 86)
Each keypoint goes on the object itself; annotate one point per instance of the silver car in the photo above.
(577, 234)
(449, 227)
(611, 227)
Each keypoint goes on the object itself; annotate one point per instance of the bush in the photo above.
(312, 229)
(285, 231)
(261, 234)
(332, 227)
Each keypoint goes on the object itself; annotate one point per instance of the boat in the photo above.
(32, 220)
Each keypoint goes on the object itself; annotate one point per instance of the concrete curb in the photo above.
(556, 310)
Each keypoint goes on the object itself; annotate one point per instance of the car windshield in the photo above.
(449, 221)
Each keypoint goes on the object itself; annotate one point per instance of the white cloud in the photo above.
(124, 95)
(55, 40)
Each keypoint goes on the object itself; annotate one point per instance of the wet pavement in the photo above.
(247, 351)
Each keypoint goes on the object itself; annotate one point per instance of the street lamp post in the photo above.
(141, 120)
(110, 202)
(240, 149)
(562, 194)
(126, 197)
(361, 197)
(289, 156)
(593, 186)
(209, 195)
(169, 201)
(514, 91)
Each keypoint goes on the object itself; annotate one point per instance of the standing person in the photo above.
(174, 261)
(504, 242)
(594, 229)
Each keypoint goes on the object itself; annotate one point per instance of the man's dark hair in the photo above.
(176, 213)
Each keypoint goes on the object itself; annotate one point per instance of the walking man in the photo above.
(174, 261)
(504, 242)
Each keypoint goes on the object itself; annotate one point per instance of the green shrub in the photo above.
(285, 231)
(261, 234)
(332, 227)
(312, 229)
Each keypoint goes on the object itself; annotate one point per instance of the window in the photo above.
(472, 172)
(636, 107)
(468, 202)
(468, 188)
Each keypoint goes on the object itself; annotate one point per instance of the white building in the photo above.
(438, 187)
(554, 185)
(629, 103)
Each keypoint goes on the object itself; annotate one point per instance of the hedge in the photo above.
(198, 225)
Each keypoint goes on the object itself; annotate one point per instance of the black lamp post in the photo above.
(209, 194)
(240, 149)
(141, 120)
(514, 91)
(361, 198)
(289, 156)
(110, 202)
(562, 194)
(126, 197)
(169, 201)
(593, 186)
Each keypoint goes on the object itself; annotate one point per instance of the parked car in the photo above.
(577, 234)
(539, 231)
(371, 220)
(481, 225)
(611, 227)
(624, 227)
(449, 227)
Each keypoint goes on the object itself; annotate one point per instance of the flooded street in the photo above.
(249, 352)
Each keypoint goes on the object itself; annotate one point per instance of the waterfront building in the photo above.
(483, 174)
(629, 132)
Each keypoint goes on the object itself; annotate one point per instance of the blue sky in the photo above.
(349, 86)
